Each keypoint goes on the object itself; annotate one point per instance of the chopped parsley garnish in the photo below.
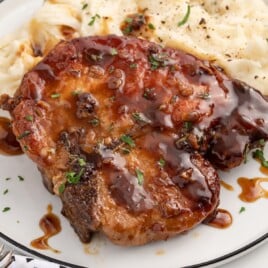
(95, 122)
(161, 162)
(6, 209)
(74, 178)
(81, 162)
(61, 188)
(133, 66)
(157, 60)
(140, 176)
(140, 118)
(127, 140)
(29, 118)
(7, 179)
(5, 192)
(55, 95)
(125, 150)
(24, 134)
(151, 26)
(93, 19)
(261, 142)
(258, 154)
(204, 96)
(242, 209)
(128, 20)
(187, 125)
(76, 92)
(21, 178)
(85, 5)
(186, 16)
(26, 148)
(114, 51)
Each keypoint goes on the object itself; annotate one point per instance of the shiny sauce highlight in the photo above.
(221, 220)
(8, 142)
(50, 225)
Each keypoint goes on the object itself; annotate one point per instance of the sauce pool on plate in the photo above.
(50, 225)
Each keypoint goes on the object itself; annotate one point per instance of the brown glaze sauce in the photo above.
(226, 186)
(50, 225)
(221, 220)
(252, 189)
(177, 96)
(8, 142)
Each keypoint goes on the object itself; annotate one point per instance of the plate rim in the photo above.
(226, 257)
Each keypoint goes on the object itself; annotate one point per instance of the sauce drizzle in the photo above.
(50, 225)
(8, 142)
(227, 186)
(252, 189)
(221, 220)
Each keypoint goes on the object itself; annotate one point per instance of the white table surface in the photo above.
(257, 258)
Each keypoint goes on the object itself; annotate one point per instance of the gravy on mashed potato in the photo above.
(233, 33)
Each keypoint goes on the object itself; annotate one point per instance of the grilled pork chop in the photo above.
(129, 134)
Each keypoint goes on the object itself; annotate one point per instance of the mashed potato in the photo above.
(233, 33)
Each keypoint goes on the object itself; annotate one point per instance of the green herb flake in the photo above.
(261, 142)
(61, 188)
(128, 30)
(133, 66)
(93, 19)
(140, 176)
(161, 162)
(6, 209)
(74, 178)
(20, 178)
(26, 148)
(125, 150)
(8, 179)
(29, 118)
(127, 140)
(95, 122)
(85, 5)
(258, 154)
(76, 92)
(140, 118)
(155, 64)
(55, 95)
(81, 162)
(151, 26)
(5, 192)
(114, 51)
(24, 134)
(187, 125)
(186, 17)
(242, 209)
(128, 20)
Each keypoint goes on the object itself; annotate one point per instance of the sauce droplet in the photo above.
(50, 225)
(8, 142)
(227, 186)
(264, 170)
(221, 220)
(252, 189)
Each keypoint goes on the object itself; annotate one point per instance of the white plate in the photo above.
(28, 200)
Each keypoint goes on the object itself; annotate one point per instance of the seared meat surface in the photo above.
(129, 134)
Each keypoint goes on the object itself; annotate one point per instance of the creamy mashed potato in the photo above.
(233, 33)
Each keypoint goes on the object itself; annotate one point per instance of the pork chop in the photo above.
(129, 134)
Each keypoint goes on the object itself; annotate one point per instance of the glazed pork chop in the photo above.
(130, 134)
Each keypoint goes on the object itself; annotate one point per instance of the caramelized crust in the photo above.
(125, 132)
